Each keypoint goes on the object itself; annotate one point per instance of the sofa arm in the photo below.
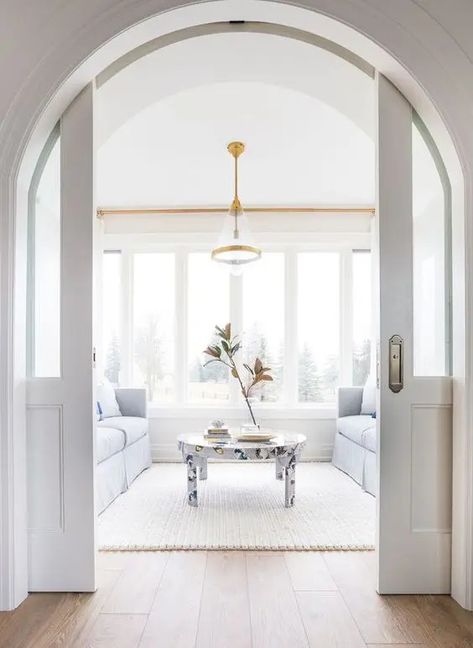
(349, 401)
(132, 402)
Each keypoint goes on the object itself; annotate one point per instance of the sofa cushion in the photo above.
(109, 441)
(134, 427)
(107, 401)
(359, 429)
(368, 402)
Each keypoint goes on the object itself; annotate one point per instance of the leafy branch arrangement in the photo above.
(225, 350)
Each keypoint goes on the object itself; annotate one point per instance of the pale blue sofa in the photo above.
(122, 447)
(354, 450)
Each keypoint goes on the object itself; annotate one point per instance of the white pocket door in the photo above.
(415, 391)
(60, 416)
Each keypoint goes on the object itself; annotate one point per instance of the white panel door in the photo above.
(415, 429)
(60, 415)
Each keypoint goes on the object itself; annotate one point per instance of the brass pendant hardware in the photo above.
(236, 149)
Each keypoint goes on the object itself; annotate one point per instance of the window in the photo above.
(161, 308)
(44, 256)
(431, 271)
(318, 318)
(362, 316)
(111, 316)
(208, 305)
(153, 324)
(263, 320)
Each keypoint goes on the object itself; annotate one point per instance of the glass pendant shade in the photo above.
(235, 246)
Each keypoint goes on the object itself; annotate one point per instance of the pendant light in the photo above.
(235, 246)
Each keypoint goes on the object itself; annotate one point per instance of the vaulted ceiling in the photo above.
(306, 116)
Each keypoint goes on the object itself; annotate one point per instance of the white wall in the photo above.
(167, 425)
(282, 227)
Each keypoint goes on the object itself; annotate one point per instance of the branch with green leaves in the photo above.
(225, 350)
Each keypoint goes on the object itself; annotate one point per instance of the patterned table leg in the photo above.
(279, 469)
(191, 481)
(290, 485)
(202, 468)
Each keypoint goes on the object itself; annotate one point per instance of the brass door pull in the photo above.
(396, 364)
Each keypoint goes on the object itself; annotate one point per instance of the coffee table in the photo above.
(284, 448)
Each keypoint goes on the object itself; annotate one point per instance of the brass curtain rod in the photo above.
(103, 211)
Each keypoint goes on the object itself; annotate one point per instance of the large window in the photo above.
(318, 319)
(161, 307)
(153, 324)
(263, 320)
(362, 316)
(207, 305)
(111, 316)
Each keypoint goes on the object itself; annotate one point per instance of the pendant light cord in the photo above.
(236, 202)
(236, 180)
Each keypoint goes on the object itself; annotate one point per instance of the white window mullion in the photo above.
(181, 327)
(291, 344)
(236, 319)
(346, 317)
(127, 319)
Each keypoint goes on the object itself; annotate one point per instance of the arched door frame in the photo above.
(377, 38)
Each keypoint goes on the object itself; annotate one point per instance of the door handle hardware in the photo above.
(378, 371)
(396, 363)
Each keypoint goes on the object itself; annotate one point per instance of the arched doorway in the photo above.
(20, 241)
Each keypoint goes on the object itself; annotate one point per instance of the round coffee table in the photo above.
(285, 448)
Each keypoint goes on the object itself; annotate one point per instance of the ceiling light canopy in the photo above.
(235, 246)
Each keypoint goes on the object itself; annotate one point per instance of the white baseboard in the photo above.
(161, 452)
(168, 453)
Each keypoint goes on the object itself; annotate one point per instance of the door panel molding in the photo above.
(45, 461)
(431, 469)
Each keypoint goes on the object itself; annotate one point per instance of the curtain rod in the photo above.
(110, 211)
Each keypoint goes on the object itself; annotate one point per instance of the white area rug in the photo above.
(241, 506)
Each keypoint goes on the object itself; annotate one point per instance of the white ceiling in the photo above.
(305, 115)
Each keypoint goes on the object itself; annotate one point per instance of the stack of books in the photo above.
(217, 433)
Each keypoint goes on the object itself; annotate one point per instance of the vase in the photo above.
(249, 426)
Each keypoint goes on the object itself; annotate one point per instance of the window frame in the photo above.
(343, 243)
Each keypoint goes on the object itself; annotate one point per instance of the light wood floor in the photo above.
(236, 600)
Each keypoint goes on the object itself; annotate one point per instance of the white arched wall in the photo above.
(66, 49)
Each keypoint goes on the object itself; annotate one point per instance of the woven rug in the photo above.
(241, 506)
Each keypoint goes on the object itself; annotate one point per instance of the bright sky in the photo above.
(154, 298)
(318, 303)
(208, 301)
(263, 298)
(362, 292)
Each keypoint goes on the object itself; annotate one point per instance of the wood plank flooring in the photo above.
(236, 599)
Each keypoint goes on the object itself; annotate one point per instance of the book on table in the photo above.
(217, 433)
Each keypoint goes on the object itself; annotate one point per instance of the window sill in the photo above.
(264, 412)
